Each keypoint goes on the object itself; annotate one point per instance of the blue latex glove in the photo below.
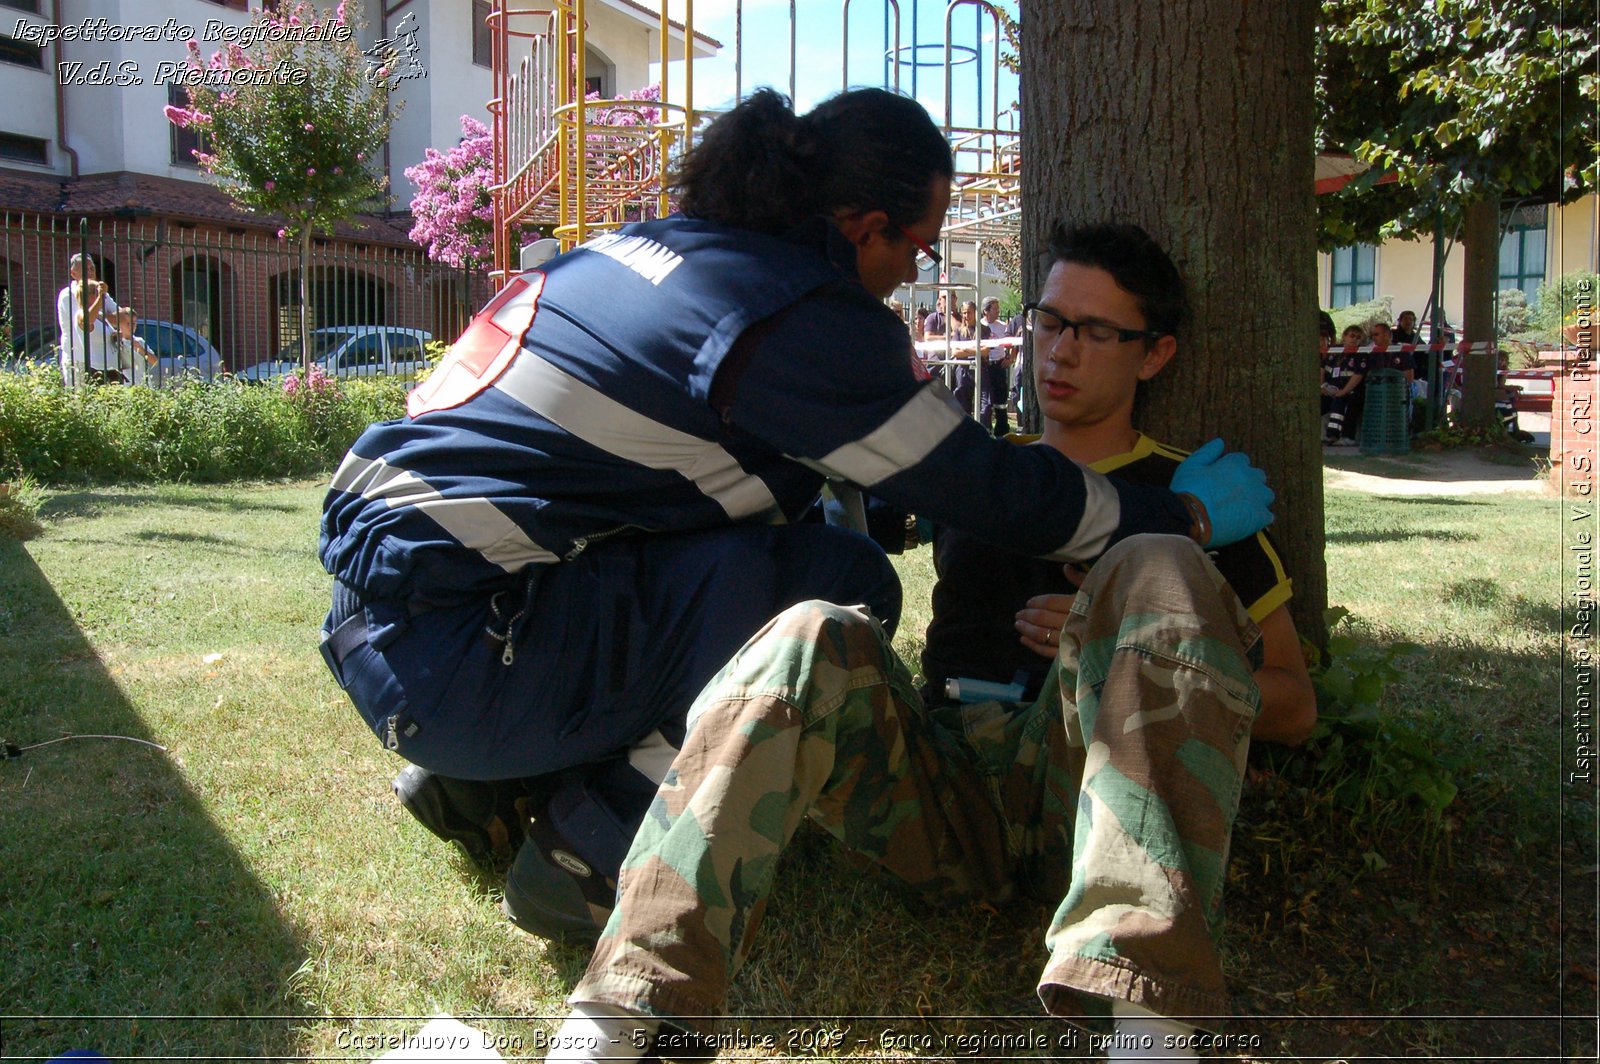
(1234, 492)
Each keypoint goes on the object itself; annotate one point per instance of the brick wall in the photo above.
(238, 288)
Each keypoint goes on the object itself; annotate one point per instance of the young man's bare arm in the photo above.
(1288, 702)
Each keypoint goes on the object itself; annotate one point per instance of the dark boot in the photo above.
(480, 817)
(563, 884)
(554, 893)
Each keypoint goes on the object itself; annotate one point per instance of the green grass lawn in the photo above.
(250, 889)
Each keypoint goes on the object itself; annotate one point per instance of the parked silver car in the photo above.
(351, 351)
(180, 349)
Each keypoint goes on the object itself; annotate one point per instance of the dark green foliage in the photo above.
(1376, 755)
(194, 432)
(1461, 101)
(1565, 300)
(1452, 435)
(1364, 758)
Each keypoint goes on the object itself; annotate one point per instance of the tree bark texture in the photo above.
(1195, 121)
(1480, 274)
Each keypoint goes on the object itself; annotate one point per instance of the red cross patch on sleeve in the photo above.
(476, 360)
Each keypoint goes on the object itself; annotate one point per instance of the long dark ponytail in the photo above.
(762, 167)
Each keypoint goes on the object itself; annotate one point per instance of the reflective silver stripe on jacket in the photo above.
(475, 522)
(924, 422)
(602, 422)
(1102, 512)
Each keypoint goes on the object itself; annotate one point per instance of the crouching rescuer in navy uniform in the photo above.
(595, 500)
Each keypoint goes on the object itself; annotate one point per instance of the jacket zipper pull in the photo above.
(390, 739)
(505, 655)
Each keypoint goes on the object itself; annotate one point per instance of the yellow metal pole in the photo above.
(688, 73)
(498, 53)
(562, 16)
(581, 143)
(663, 138)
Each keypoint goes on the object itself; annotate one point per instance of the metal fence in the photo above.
(232, 295)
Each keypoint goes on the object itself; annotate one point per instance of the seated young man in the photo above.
(1109, 789)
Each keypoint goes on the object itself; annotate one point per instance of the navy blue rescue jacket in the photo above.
(579, 406)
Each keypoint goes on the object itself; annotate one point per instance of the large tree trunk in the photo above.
(1480, 235)
(1195, 121)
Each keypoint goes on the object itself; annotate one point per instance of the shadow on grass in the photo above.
(183, 537)
(1375, 931)
(1487, 595)
(1429, 500)
(848, 949)
(123, 901)
(216, 545)
(91, 503)
(1402, 536)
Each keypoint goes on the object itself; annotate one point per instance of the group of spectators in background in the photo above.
(1361, 352)
(1001, 392)
(1349, 362)
(1349, 359)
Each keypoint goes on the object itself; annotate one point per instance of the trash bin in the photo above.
(1383, 419)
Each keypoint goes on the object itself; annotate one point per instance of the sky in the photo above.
(818, 49)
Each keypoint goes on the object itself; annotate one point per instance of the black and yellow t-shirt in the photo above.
(981, 587)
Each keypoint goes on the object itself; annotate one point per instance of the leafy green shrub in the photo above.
(1559, 301)
(1451, 435)
(1373, 756)
(194, 431)
(433, 353)
(1512, 315)
(1380, 309)
(19, 509)
(1364, 759)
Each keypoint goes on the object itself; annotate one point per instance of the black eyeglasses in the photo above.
(922, 248)
(1047, 327)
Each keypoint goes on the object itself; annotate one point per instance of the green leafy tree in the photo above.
(294, 123)
(1460, 105)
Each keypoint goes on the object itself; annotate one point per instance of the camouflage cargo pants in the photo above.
(1113, 794)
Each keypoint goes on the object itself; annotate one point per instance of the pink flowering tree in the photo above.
(453, 212)
(624, 115)
(295, 125)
